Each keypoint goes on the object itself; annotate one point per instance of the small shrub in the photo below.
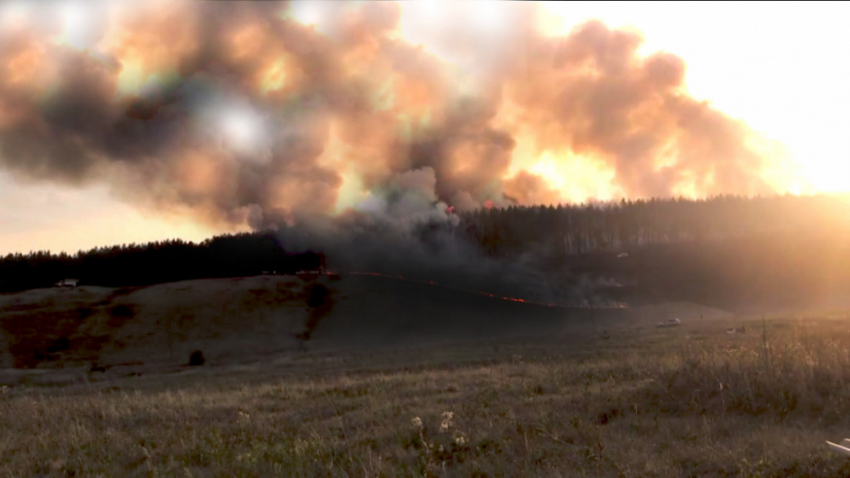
(84, 312)
(58, 345)
(604, 417)
(122, 311)
(318, 295)
(197, 358)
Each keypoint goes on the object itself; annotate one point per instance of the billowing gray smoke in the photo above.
(408, 233)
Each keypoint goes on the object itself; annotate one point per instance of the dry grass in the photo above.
(672, 402)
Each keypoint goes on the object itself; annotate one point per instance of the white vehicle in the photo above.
(670, 323)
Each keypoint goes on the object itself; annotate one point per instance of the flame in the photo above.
(583, 305)
(575, 177)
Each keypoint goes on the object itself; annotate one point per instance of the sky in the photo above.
(123, 124)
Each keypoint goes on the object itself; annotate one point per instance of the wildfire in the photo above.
(610, 305)
(313, 109)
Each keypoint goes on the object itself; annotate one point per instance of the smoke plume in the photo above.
(243, 114)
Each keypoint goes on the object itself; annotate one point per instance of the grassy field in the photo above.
(685, 401)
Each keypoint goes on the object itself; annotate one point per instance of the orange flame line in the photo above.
(618, 305)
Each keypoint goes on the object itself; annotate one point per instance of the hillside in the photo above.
(251, 317)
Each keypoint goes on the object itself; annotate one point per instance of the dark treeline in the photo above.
(626, 225)
(144, 264)
(725, 251)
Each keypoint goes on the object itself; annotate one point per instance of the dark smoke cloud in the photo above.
(360, 101)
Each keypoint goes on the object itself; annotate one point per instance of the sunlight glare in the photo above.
(78, 23)
(242, 127)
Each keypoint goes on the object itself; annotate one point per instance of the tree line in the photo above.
(727, 251)
(626, 225)
(230, 255)
(726, 248)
